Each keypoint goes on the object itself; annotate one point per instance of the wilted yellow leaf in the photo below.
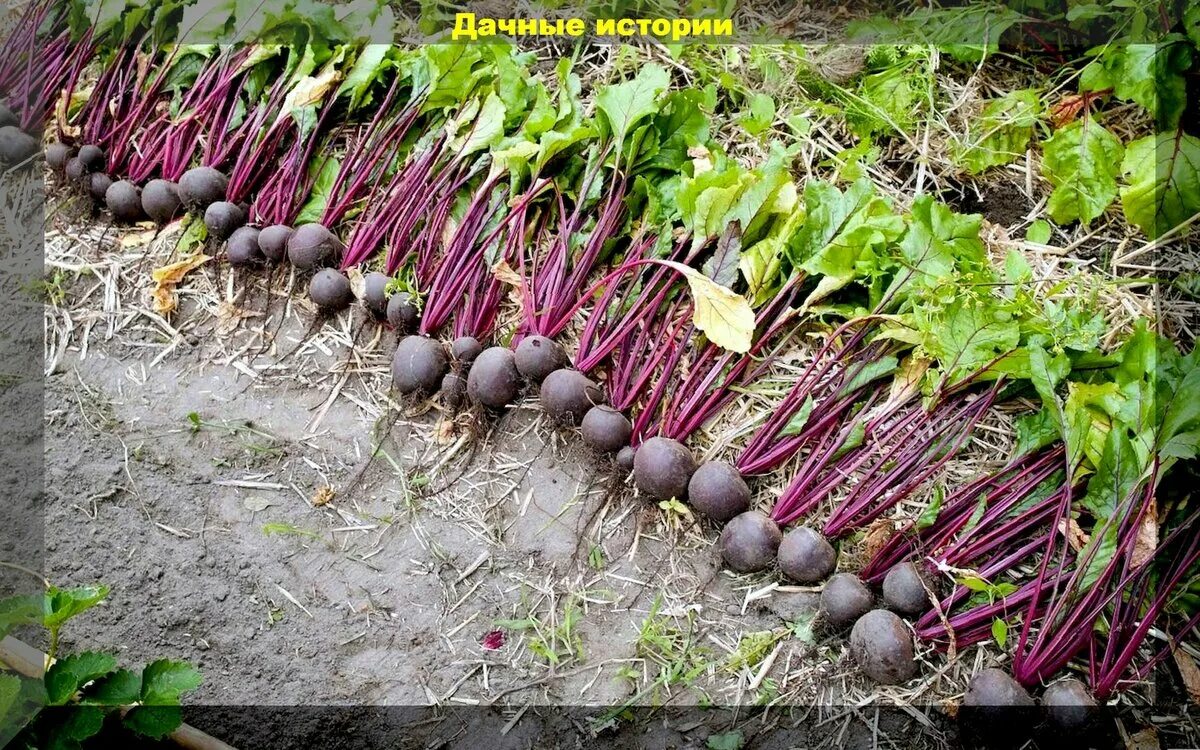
(722, 314)
(168, 277)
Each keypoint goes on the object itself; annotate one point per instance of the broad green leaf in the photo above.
(938, 243)
(1081, 161)
(485, 129)
(799, 420)
(1191, 22)
(120, 688)
(840, 230)
(967, 336)
(1001, 133)
(722, 315)
(63, 604)
(367, 68)
(1150, 74)
(155, 722)
(1038, 232)
(164, 681)
(1162, 181)
(1036, 431)
(555, 142)
(20, 610)
(680, 125)
(69, 674)
(627, 103)
(318, 198)
(869, 373)
(1000, 632)
(759, 114)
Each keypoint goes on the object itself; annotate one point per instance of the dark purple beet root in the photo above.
(904, 591)
(8, 117)
(74, 171)
(997, 709)
(16, 145)
(375, 296)
(161, 202)
(605, 429)
(330, 290)
(98, 184)
(568, 394)
(626, 458)
(273, 241)
(493, 380)
(718, 491)
(1069, 706)
(201, 187)
(844, 599)
(57, 155)
(805, 556)
(92, 158)
(419, 365)
(313, 246)
(454, 391)
(538, 356)
(242, 248)
(124, 201)
(222, 218)
(883, 648)
(465, 349)
(402, 313)
(749, 542)
(663, 468)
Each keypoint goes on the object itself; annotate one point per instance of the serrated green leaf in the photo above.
(155, 722)
(63, 604)
(759, 113)
(120, 688)
(164, 681)
(1162, 176)
(73, 726)
(1082, 161)
(69, 674)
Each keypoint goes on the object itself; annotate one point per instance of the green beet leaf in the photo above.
(1081, 161)
(1162, 181)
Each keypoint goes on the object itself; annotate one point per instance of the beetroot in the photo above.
(98, 184)
(465, 349)
(418, 365)
(273, 242)
(74, 172)
(222, 218)
(92, 158)
(749, 541)
(568, 394)
(313, 246)
(663, 468)
(805, 556)
(844, 599)
(605, 429)
(1069, 706)
(330, 290)
(402, 313)
(538, 356)
(718, 491)
(454, 391)
(242, 247)
(904, 590)
(161, 201)
(493, 380)
(57, 155)
(626, 458)
(124, 201)
(375, 296)
(16, 146)
(883, 647)
(201, 187)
